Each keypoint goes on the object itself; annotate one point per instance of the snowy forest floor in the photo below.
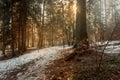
(30, 66)
(50, 64)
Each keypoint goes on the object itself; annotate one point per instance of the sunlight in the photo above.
(75, 7)
(59, 39)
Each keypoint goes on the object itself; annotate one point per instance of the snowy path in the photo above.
(35, 71)
(32, 65)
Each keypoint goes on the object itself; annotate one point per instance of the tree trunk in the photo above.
(81, 26)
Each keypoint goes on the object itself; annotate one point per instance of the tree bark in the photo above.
(81, 26)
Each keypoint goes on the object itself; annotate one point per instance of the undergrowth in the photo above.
(85, 68)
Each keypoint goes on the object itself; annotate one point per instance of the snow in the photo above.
(113, 49)
(112, 46)
(43, 57)
(105, 42)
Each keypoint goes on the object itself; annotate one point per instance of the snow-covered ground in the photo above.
(106, 42)
(112, 46)
(43, 57)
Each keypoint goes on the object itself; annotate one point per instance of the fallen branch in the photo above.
(81, 53)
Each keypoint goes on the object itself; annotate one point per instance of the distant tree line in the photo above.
(43, 23)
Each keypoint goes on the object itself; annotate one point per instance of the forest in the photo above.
(59, 39)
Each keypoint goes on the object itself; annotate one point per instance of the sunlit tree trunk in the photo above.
(32, 36)
(63, 24)
(52, 42)
(40, 31)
